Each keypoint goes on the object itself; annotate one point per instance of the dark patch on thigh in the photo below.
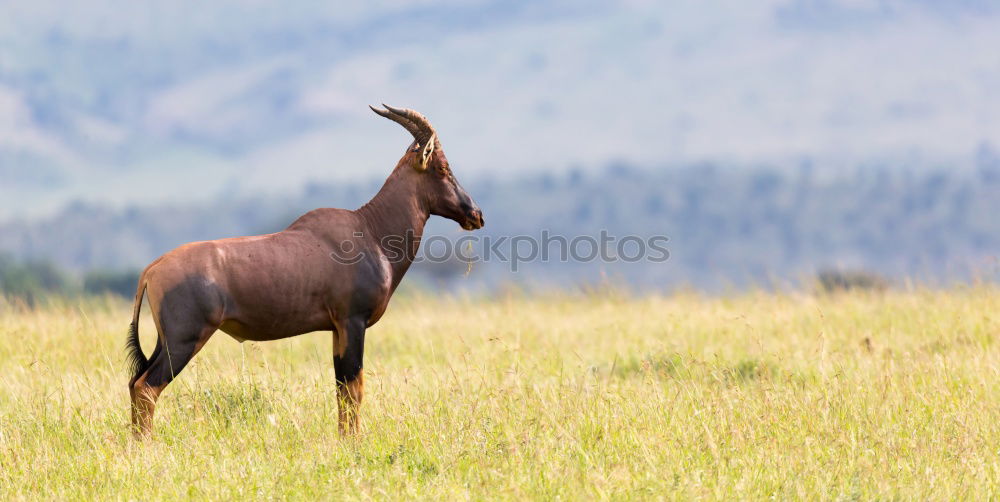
(188, 313)
(193, 301)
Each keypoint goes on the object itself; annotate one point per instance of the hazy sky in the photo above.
(121, 102)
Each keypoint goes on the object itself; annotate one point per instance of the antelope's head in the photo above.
(434, 179)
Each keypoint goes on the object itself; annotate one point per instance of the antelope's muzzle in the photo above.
(474, 219)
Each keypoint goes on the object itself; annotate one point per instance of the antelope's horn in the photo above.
(401, 120)
(417, 119)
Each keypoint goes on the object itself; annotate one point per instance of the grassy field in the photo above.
(591, 396)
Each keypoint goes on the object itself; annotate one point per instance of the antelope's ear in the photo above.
(425, 153)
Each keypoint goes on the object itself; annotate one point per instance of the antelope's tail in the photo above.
(137, 362)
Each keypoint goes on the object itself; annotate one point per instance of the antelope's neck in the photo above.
(396, 217)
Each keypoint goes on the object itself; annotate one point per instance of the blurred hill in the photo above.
(729, 226)
(121, 103)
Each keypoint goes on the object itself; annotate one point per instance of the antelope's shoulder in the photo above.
(324, 217)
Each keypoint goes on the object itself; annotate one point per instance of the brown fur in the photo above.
(287, 283)
(349, 397)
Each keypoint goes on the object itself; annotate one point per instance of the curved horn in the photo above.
(401, 120)
(426, 130)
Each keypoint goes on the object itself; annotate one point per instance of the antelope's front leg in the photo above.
(348, 363)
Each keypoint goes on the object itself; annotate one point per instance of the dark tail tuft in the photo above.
(137, 361)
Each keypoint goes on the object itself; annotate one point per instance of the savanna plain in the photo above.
(563, 396)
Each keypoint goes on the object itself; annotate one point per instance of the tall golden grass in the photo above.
(893, 395)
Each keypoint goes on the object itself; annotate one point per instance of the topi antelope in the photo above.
(331, 270)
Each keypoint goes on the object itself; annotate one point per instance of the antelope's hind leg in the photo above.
(174, 350)
(348, 364)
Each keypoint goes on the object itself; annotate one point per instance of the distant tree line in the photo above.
(30, 280)
(728, 226)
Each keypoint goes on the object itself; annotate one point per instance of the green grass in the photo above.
(849, 396)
